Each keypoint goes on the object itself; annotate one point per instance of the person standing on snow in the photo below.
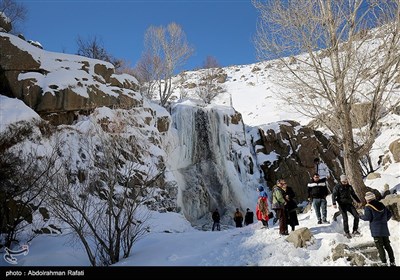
(216, 219)
(343, 193)
(317, 192)
(262, 209)
(249, 217)
(238, 218)
(290, 207)
(378, 215)
(278, 204)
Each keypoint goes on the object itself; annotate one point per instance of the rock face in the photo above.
(392, 201)
(57, 86)
(287, 150)
(392, 154)
(394, 148)
(358, 255)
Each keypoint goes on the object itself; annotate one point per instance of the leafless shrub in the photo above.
(93, 47)
(24, 177)
(211, 62)
(209, 87)
(105, 206)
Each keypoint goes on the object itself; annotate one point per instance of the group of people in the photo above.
(343, 197)
(237, 218)
(375, 212)
(283, 203)
(285, 206)
(282, 196)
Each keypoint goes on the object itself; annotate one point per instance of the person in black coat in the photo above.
(249, 217)
(290, 207)
(378, 215)
(216, 218)
(343, 193)
(317, 192)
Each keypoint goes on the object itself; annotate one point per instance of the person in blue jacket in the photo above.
(377, 214)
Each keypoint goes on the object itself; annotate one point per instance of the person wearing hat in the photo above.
(343, 193)
(377, 214)
(262, 191)
(262, 209)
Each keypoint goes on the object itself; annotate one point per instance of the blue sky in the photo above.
(220, 28)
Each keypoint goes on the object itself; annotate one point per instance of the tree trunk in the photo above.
(350, 156)
(354, 174)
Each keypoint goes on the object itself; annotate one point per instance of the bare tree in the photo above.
(125, 67)
(93, 47)
(167, 49)
(101, 203)
(210, 85)
(347, 62)
(211, 62)
(182, 86)
(12, 13)
(366, 165)
(147, 70)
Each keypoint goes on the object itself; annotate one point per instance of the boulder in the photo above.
(57, 86)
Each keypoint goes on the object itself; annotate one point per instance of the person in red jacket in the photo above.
(262, 209)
